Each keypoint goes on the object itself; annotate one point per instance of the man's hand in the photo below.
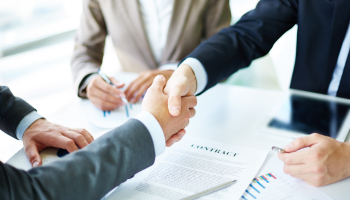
(182, 83)
(325, 162)
(155, 102)
(140, 85)
(42, 134)
(103, 95)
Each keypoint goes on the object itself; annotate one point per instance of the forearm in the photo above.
(89, 43)
(252, 37)
(12, 111)
(99, 167)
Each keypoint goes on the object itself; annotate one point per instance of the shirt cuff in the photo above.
(25, 123)
(199, 72)
(170, 66)
(154, 129)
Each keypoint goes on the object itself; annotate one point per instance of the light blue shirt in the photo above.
(202, 77)
(25, 123)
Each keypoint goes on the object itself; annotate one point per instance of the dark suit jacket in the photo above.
(12, 111)
(322, 26)
(86, 174)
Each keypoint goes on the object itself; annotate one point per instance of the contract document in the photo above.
(191, 166)
(272, 183)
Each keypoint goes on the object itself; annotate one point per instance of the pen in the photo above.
(110, 82)
(210, 190)
(280, 150)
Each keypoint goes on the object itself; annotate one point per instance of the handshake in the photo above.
(156, 102)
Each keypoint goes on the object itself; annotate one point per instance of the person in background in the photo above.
(93, 171)
(322, 66)
(150, 37)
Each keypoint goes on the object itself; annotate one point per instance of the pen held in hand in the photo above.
(279, 150)
(122, 98)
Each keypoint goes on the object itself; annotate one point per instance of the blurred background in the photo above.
(36, 44)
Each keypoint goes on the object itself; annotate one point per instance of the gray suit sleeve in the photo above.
(86, 174)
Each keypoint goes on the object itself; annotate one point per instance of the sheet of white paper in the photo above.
(118, 116)
(111, 119)
(273, 184)
(191, 166)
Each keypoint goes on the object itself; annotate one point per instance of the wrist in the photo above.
(347, 152)
(187, 71)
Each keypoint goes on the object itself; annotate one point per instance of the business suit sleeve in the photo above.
(86, 174)
(251, 37)
(217, 17)
(12, 111)
(89, 44)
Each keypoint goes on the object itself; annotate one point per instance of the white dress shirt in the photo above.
(339, 68)
(202, 77)
(156, 17)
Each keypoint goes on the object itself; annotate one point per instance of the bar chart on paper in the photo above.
(273, 184)
(112, 119)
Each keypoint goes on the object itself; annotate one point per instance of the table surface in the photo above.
(225, 113)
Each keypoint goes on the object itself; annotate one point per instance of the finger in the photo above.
(295, 158)
(191, 101)
(175, 138)
(107, 88)
(116, 83)
(174, 101)
(32, 153)
(302, 142)
(133, 87)
(104, 105)
(140, 92)
(101, 99)
(158, 83)
(79, 139)
(296, 171)
(192, 112)
(89, 138)
(65, 143)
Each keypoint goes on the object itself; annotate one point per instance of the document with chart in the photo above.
(191, 166)
(273, 184)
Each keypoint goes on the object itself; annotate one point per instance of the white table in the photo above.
(225, 113)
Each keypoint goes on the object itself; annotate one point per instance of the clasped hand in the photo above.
(156, 103)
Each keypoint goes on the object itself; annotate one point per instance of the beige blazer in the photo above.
(192, 22)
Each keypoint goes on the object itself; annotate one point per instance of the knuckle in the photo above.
(317, 156)
(298, 142)
(288, 161)
(79, 137)
(70, 143)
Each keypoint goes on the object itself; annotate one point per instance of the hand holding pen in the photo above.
(104, 95)
(316, 159)
(122, 96)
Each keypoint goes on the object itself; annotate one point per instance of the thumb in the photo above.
(116, 83)
(158, 83)
(33, 155)
(174, 101)
(301, 143)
